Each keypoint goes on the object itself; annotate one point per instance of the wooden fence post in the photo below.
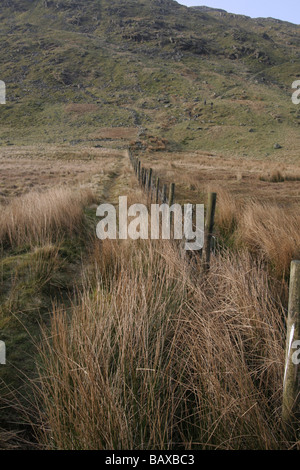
(146, 179)
(171, 194)
(150, 179)
(157, 190)
(164, 194)
(291, 383)
(142, 176)
(171, 202)
(139, 171)
(209, 226)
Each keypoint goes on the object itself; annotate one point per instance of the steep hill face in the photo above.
(74, 66)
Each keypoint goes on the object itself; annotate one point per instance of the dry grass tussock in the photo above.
(276, 176)
(266, 229)
(38, 218)
(228, 212)
(152, 358)
(273, 231)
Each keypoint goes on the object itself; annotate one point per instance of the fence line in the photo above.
(151, 184)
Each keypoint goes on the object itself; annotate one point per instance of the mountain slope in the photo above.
(74, 66)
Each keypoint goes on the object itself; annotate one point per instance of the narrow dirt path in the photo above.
(117, 180)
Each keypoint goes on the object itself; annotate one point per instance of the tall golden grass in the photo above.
(151, 356)
(273, 231)
(228, 212)
(39, 218)
(266, 229)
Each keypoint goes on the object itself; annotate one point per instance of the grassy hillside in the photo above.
(152, 65)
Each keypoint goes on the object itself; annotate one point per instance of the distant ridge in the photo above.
(205, 9)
